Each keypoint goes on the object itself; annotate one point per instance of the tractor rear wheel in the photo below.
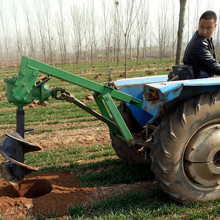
(129, 154)
(186, 152)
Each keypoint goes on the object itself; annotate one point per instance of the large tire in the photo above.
(186, 152)
(129, 154)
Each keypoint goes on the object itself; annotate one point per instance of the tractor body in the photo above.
(157, 91)
(174, 126)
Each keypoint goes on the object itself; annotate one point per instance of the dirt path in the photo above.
(42, 193)
(93, 133)
(77, 137)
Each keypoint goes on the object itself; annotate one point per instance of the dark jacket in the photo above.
(200, 54)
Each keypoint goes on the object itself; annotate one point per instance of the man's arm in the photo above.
(204, 56)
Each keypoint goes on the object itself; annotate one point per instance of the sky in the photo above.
(193, 6)
(154, 4)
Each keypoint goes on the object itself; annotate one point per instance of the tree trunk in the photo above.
(180, 30)
(126, 55)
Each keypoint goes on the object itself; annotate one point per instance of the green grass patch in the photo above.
(116, 175)
(55, 157)
(76, 211)
(151, 205)
(108, 162)
(69, 155)
(41, 131)
(87, 119)
(53, 215)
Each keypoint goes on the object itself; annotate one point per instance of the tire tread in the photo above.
(168, 150)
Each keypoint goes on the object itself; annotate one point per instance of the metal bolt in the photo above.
(132, 141)
(34, 73)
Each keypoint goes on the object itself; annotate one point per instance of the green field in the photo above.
(100, 166)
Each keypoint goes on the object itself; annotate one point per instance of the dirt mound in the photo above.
(41, 193)
(45, 193)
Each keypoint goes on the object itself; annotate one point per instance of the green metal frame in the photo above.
(21, 91)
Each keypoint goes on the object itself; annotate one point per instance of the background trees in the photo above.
(60, 31)
(126, 20)
(180, 30)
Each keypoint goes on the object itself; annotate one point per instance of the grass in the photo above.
(116, 175)
(104, 167)
(67, 155)
(76, 211)
(151, 205)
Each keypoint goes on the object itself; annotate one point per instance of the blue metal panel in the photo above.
(169, 85)
(170, 90)
(137, 91)
(140, 80)
(185, 89)
(166, 91)
(212, 81)
(135, 87)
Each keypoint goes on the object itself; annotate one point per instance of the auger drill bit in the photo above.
(13, 147)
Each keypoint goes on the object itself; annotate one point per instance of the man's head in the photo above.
(207, 24)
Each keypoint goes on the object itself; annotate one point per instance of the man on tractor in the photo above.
(200, 51)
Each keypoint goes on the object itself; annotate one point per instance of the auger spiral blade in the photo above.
(13, 147)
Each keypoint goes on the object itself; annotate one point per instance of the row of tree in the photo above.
(62, 31)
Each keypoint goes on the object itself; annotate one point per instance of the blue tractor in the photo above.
(172, 125)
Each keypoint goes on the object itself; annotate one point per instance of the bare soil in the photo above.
(53, 192)
(78, 137)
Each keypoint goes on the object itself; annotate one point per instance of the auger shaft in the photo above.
(20, 121)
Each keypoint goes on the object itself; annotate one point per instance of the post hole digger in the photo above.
(171, 125)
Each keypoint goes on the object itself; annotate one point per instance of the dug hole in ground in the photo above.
(53, 192)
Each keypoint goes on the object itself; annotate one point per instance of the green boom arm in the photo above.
(23, 90)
